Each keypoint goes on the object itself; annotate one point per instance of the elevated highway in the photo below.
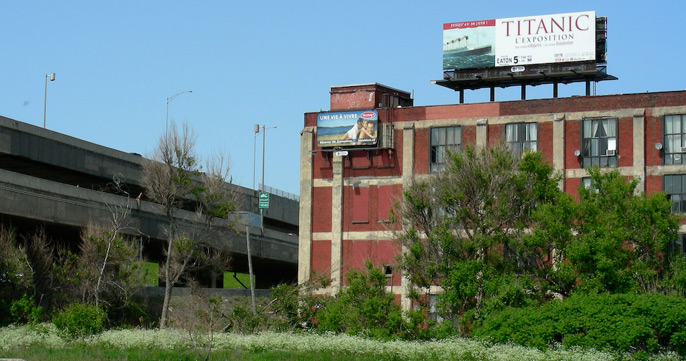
(63, 184)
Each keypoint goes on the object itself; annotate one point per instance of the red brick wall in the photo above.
(468, 136)
(388, 195)
(321, 258)
(496, 135)
(384, 252)
(379, 200)
(653, 184)
(322, 165)
(572, 143)
(591, 103)
(572, 186)
(455, 111)
(372, 163)
(625, 142)
(545, 141)
(356, 253)
(421, 151)
(352, 99)
(321, 209)
(653, 134)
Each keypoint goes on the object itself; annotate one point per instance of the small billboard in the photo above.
(540, 39)
(350, 128)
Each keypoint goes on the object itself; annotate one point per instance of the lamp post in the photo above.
(169, 100)
(262, 187)
(254, 151)
(247, 228)
(45, 96)
(264, 132)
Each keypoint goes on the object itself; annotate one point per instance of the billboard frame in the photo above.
(533, 74)
(353, 128)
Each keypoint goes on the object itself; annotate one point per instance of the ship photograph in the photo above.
(468, 45)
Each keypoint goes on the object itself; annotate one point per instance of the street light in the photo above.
(254, 151)
(262, 187)
(169, 100)
(45, 97)
(264, 132)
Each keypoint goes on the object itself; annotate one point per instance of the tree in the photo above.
(620, 237)
(363, 307)
(466, 227)
(495, 231)
(53, 267)
(108, 270)
(173, 180)
(16, 277)
(107, 262)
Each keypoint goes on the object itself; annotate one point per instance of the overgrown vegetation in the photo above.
(172, 344)
(173, 180)
(79, 320)
(516, 260)
(364, 307)
(496, 233)
(620, 322)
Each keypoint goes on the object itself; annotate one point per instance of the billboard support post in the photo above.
(523, 91)
(555, 89)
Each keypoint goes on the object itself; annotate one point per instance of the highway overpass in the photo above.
(61, 183)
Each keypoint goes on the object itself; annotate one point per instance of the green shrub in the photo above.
(620, 322)
(363, 307)
(78, 320)
(24, 310)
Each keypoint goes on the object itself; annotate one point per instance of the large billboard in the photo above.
(526, 40)
(352, 128)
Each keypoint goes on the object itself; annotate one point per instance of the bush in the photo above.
(25, 311)
(80, 320)
(363, 307)
(620, 322)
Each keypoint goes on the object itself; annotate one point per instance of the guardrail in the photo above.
(280, 193)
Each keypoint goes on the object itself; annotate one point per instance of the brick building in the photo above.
(345, 198)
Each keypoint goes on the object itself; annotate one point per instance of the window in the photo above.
(675, 187)
(677, 246)
(360, 211)
(522, 137)
(599, 143)
(433, 309)
(442, 140)
(675, 139)
(586, 182)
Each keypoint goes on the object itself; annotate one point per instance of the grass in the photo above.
(95, 354)
(41, 342)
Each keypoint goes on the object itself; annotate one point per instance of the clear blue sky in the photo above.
(263, 62)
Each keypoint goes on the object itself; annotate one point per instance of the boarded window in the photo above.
(360, 204)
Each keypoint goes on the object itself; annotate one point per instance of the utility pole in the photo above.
(252, 282)
(254, 151)
(263, 187)
(45, 96)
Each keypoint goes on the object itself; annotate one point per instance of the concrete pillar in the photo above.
(407, 179)
(337, 224)
(639, 169)
(305, 222)
(559, 146)
(481, 133)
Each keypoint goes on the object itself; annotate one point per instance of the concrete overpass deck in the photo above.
(51, 179)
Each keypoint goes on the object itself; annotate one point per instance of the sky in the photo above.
(269, 62)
